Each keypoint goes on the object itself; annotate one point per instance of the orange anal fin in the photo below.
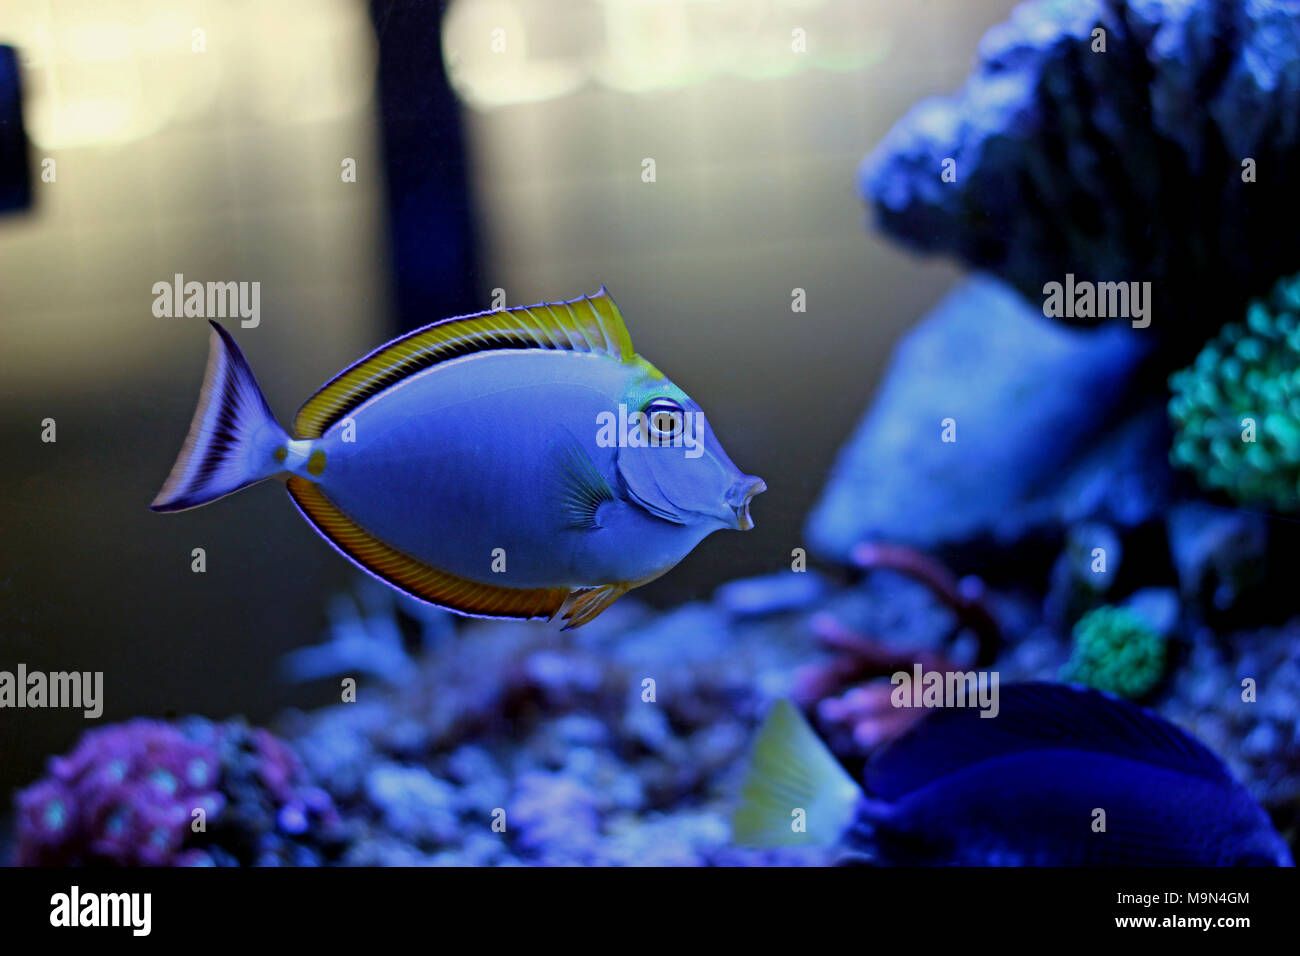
(416, 578)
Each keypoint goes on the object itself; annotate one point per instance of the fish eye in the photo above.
(664, 417)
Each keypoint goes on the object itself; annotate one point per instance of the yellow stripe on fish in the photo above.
(585, 324)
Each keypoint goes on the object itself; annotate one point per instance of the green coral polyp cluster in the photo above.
(1117, 651)
(1236, 409)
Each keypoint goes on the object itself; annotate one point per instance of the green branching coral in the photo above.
(1236, 409)
(1116, 650)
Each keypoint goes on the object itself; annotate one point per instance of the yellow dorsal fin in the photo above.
(589, 323)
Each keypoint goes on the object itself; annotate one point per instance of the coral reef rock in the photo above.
(147, 793)
(1163, 157)
(1045, 433)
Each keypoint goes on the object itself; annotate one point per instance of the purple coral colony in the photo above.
(979, 554)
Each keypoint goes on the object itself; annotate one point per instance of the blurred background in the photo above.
(498, 144)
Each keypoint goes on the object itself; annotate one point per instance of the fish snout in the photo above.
(739, 495)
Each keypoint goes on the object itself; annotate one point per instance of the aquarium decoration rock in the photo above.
(1240, 694)
(1113, 140)
(1220, 555)
(616, 746)
(356, 643)
(772, 593)
(1084, 572)
(582, 761)
(1158, 607)
(993, 424)
(371, 630)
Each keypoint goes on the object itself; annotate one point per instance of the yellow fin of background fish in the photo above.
(790, 770)
(415, 577)
(586, 324)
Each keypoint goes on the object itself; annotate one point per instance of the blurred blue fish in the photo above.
(1019, 789)
(520, 463)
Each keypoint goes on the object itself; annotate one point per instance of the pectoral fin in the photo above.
(579, 487)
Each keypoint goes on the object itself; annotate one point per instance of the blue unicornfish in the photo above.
(1062, 776)
(519, 463)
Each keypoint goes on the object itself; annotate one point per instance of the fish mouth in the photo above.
(739, 496)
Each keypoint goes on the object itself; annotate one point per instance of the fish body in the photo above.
(508, 464)
(1026, 810)
(497, 465)
(1061, 777)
